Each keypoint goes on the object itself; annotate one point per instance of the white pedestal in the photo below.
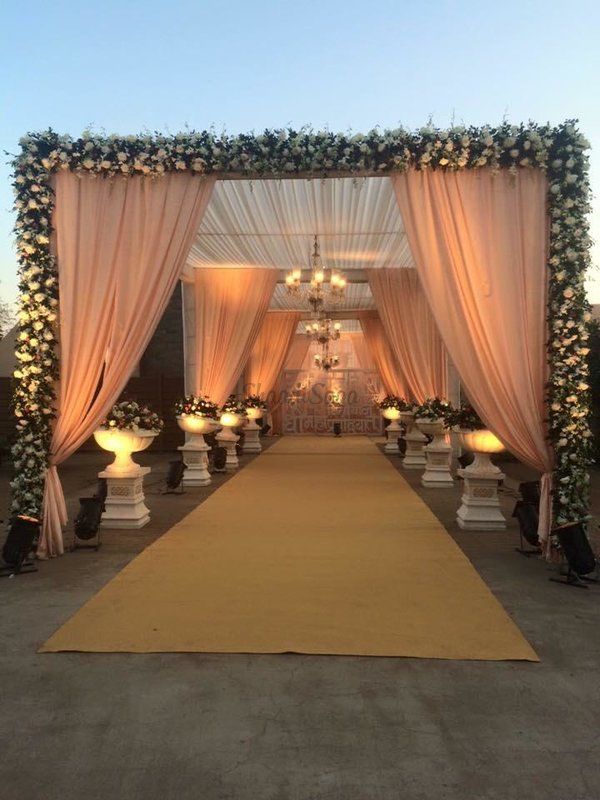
(251, 441)
(228, 439)
(125, 506)
(480, 509)
(195, 457)
(415, 454)
(437, 474)
(393, 431)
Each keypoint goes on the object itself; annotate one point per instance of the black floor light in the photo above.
(174, 479)
(337, 428)
(528, 516)
(21, 542)
(578, 554)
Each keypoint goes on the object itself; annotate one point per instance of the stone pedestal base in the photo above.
(125, 506)
(480, 509)
(437, 469)
(228, 439)
(393, 431)
(195, 457)
(415, 454)
(251, 441)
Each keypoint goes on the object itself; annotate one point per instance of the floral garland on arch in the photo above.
(559, 151)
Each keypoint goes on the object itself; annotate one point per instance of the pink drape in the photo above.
(297, 352)
(362, 350)
(383, 357)
(121, 245)
(270, 351)
(230, 309)
(479, 241)
(411, 331)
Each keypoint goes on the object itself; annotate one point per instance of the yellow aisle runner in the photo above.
(317, 546)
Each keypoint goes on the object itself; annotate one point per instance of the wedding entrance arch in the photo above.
(110, 222)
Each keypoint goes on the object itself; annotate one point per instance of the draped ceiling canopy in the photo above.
(271, 223)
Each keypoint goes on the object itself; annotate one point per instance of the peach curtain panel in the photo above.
(297, 352)
(411, 331)
(269, 352)
(231, 305)
(479, 241)
(383, 357)
(121, 245)
(361, 350)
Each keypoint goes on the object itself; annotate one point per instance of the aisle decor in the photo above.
(232, 414)
(480, 504)
(128, 428)
(431, 419)
(196, 416)
(391, 408)
(256, 408)
(561, 152)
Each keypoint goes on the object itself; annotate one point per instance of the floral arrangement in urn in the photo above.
(464, 418)
(129, 415)
(254, 401)
(433, 408)
(392, 401)
(196, 406)
(233, 406)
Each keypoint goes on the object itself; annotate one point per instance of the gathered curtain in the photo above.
(480, 243)
(231, 305)
(270, 350)
(383, 357)
(411, 331)
(121, 246)
(297, 353)
(361, 350)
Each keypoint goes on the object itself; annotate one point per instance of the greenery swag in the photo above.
(559, 151)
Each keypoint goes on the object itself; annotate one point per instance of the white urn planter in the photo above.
(252, 430)
(480, 506)
(414, 457)
(393, 430)
(228, 439)
(438, 454)
(195, 450)
(124, 506)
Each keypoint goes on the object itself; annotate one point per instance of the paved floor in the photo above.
(290, 727)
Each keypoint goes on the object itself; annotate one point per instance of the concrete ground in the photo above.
(291, 727)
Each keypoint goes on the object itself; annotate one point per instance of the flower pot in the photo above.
(123, 442)
(195, 450)
(480, 508)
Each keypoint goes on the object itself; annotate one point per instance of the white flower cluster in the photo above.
(559, 151)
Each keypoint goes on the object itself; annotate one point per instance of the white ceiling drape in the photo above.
(271, 223)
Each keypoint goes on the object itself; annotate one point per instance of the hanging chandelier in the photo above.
(326, 360)
(320, 291)
(324, 330)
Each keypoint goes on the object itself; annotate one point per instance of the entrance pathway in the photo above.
(318, 546)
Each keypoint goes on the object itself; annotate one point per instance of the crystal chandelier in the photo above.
(319, 291)
(326, 360)
(324, 330)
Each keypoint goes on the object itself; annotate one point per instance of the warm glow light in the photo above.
(123, 443)
(254, 413)
(289, 279)
(296, 274)
(391, 413)
(483, 441)
(194, 423)
(342, 282)
(229, 420)
(319, 276)
(338, 326)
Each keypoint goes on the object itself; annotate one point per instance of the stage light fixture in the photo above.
(22, 539)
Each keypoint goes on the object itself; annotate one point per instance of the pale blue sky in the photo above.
(246, 65)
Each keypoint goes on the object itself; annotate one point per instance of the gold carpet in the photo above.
(317, 546)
